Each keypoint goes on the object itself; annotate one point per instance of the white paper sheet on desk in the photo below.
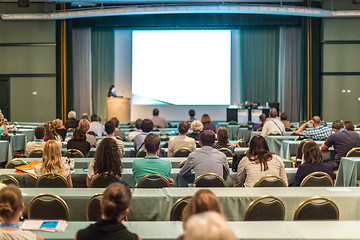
(45, 225)
(337, 189)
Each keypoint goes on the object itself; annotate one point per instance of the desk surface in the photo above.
(243, 230)
(155, 204)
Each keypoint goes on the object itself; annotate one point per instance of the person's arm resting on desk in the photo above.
(328, 143)
(186, 169)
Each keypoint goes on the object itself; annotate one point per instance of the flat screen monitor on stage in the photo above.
(181, 67)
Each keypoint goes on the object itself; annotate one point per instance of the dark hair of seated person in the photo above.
(108, 157)
(191, 112)
(207, 138)
(337, 124)
(79, 134)
(109, 127)
(223, 136)
(94, 118)
(259, 152)
(39, 132)
(116, 121)
(152, 143)
(147, 125)
(116, 200)
(283, 116)
(204, 200)
(312, 153)
(205, 118)
(183, 127)
(349, 125)
(138, 123)
(156, 112)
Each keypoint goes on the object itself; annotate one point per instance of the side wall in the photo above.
(341, 69)
(28, 61)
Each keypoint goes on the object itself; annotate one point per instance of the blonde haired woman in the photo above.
(59, 128)
(52, 162)
(85, 124)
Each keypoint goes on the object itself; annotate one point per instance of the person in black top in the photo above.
(114, 207)
(111, 92)
(72, 122)
(78, 141)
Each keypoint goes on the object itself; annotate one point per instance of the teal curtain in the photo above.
(102, 68)
(259, 64)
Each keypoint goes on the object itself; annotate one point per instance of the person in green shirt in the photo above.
(151, 163)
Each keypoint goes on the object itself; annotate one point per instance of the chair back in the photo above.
(323, 138)
(270, 181)
(317, 179)
(226, 151)
(93, 208)
(164, 136)
(293, 133)
(103, 180)
(165, 144)
(51, 180)
(259, 129)
(48, 206)
(15, 163)
(197, 144)
(182, 163)
(209, 180)
(8, 180)
(317, 208)
(141, 153)
(240, 143)
(355, 152)
(178, 207)
(265, 208)
(182, 152)
(36, 153)
(73, 153)
(153, 181)
(71, 130)
(119, 138)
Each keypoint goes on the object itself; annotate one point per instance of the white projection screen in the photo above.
(181, 67)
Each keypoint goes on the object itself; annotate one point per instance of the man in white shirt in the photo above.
(273, 125)
(39, 142)
(182, 140)
(110, 133)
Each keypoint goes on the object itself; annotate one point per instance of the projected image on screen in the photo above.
(181, 67)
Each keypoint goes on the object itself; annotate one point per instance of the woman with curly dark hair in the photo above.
(107, 159)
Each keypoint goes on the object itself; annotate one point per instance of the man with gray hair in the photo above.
(318, 132)
(342, 141)
(72, 122)
(273, 125)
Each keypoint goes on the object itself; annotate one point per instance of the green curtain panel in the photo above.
(259, 64)
(102, 68)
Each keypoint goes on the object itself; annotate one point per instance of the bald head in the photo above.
(317, 121)
(273, 113)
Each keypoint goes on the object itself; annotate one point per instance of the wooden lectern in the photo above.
(118, 107)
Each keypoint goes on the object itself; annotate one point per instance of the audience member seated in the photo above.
(132, 134)
(78, 141)
(114, 208)
(181, 141)
(284, 120)
(262, 119)
(223, 140)
(3, 128)
(349, 125)
(196, 127)
(50, 133)
(118, 132)
(110, 133)
(273, 125)
(313, 163)
(158, 121)
(206, 121)
(107, 159)
(259, 162)
(11, 210)
(191, 116)
(59, 128)
(342, 141)
(203, 200)
(318, 132)
(72, 122)
(85, 116)
(146, 127)
(52, 162)
(151, 163)
(85, 124)
(96, 126)
(207, 159)
(209, 226)
(39, 142)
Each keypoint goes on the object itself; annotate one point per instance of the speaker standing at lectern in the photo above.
(111, 92)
